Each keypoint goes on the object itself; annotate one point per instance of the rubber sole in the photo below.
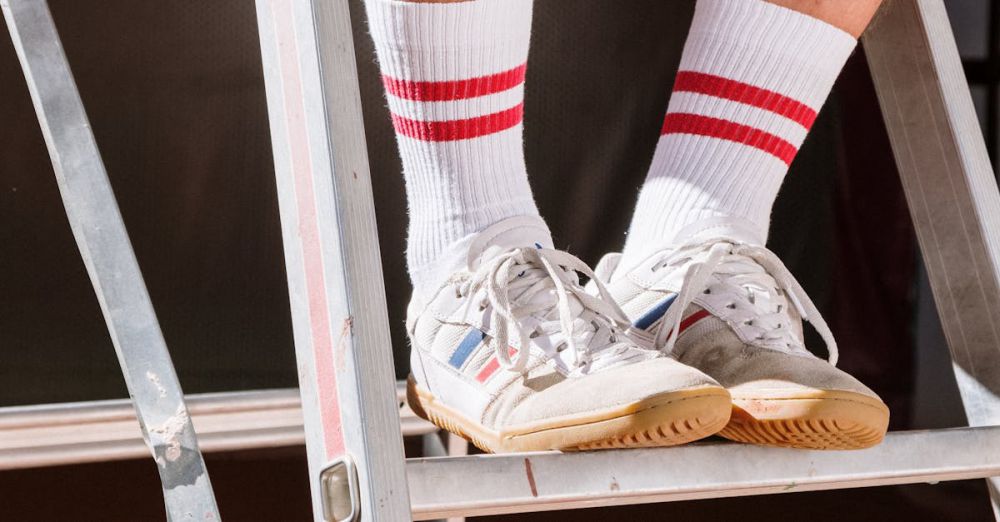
(663, 420)
(826, 420)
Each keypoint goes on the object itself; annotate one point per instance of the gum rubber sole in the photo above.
(663, 420)
(830, 420)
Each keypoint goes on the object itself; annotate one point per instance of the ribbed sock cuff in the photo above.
(454, 77)
(752, 77)
(768, 46)
(465, 28)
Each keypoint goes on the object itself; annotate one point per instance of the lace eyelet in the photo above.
(707, 291)
(748, 322)
(482, 306)
(731, 306)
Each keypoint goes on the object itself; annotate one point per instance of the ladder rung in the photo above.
(97, 431)
(500, 484)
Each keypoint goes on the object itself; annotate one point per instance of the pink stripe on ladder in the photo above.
(312, 254)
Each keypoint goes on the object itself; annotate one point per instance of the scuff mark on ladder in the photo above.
(155, 379)
(340, 352)
(171, 432)
(531, 478)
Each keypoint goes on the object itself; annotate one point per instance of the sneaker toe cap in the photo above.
(750, 370)
(615, 389)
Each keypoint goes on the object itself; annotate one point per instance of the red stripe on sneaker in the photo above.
(693, 318)
(455, 89)
(683, 123)
(459, 129)
(492, 366)
(701, 83)
(690, 320)
(488, 370)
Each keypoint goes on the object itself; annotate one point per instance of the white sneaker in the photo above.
(514, 355)
(720, 302)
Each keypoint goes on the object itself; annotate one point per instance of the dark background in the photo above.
(175, 95)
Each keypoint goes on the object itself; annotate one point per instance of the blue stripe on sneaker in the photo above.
(465, 348)
(654, 313)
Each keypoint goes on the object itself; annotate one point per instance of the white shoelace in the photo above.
(522, 282)
(742, 267)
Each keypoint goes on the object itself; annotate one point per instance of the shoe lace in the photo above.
(741, 268)
(542, 283)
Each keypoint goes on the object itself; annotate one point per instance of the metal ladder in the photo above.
(351, 411)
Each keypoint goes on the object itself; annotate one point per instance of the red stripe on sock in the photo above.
(455, 89)
(701, 83)
(459, 129)
(683, 123)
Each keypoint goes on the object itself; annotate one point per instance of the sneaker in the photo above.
(719, 301)
(514, 355)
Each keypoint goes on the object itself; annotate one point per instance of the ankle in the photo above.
(430, 268)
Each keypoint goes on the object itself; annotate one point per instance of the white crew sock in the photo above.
(454, 79)
(752, 77)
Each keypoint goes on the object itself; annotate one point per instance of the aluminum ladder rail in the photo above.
(107, 253)
(341, 332)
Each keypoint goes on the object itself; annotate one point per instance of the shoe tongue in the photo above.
(721, 228)
(515, 232)
(518, 232)
(739, 231)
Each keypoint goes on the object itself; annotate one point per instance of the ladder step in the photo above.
(99, 431)
(502, 484)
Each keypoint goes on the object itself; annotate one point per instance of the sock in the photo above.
(752, 77)
(454, 79)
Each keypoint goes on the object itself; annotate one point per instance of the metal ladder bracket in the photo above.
(341, 502)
